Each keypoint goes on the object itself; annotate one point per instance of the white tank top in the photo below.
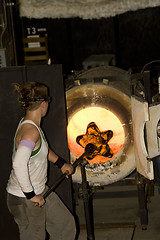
(37, 166)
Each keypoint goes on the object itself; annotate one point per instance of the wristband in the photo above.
(29, 195)
(60, 162)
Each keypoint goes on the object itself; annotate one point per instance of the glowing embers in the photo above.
(98, 126)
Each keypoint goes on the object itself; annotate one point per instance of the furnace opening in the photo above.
(98, 126)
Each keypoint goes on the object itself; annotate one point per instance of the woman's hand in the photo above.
(67, 168)
(38, 200)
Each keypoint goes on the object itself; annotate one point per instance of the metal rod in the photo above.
(142, 201)
(9, 11)
(89, 149)
(87, 205)
(62, 177)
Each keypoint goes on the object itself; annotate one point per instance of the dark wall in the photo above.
(54, 126)
(10, 114)
(139, 37)
(132, 36)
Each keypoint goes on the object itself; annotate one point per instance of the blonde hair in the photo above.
(31, 94)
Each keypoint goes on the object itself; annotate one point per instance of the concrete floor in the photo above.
(118, 217)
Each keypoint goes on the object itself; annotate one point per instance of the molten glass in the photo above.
(99, 141)
(97, 126)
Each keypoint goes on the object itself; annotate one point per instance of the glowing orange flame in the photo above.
(105, 120)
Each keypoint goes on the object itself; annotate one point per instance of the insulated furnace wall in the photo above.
(99, 104)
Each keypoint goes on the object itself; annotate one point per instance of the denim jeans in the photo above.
(33, 222)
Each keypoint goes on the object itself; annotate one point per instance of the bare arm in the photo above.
(52, 156)
(66, 168)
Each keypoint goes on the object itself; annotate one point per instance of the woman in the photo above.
(28, 177)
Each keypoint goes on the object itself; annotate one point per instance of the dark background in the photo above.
(133, 37)
(54, 126)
